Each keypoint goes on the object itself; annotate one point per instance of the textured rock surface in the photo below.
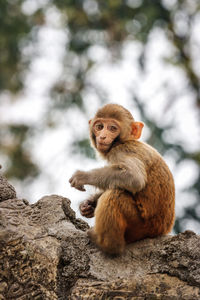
(45, 254)
(7, 191)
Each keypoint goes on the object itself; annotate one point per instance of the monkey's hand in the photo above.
(78, 179)
(87, 208)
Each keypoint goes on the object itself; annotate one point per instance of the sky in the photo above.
(51, 148)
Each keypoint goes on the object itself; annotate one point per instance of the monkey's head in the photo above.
(113, 124)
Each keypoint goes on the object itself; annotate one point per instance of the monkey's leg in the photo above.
(137, 228)
(120, 217)
(110, 223)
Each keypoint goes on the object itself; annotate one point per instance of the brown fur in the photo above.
(139, 194)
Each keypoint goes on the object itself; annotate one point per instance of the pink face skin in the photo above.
(105, 130)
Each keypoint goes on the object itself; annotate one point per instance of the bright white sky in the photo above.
(51, 148)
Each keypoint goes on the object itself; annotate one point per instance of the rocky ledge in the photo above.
(45, 254)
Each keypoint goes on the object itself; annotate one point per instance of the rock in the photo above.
(7, 191)
(45, 254)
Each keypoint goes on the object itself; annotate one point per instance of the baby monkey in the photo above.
(136, 197)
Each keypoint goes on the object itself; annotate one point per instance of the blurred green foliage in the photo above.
(106, 23)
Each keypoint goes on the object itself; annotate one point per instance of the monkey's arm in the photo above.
(130, 175)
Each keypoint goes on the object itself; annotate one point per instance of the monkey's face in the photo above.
(112, 125)
(105, 131)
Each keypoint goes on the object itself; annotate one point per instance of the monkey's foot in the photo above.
(112, 248)
(92, 235)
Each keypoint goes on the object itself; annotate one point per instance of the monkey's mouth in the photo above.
(103, 144)
(104, 148)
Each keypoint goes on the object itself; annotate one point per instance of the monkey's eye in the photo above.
(113, 128)
(99, 126)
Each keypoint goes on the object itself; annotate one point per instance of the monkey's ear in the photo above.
(137, 129)
(89, 121)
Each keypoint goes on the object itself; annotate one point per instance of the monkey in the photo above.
(136, 198)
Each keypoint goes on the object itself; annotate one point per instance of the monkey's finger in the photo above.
(70, 180)
(80, 188)
(91, 215)
(74, 184)
(88, 214)
(86, 209)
